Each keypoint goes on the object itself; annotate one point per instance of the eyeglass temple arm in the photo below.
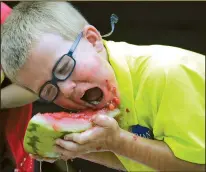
(75, 44)
(113, 20)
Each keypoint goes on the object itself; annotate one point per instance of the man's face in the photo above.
(92, 83)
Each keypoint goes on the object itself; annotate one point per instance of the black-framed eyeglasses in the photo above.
(61, 71)
(64, 68)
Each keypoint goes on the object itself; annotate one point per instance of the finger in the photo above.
(68, 145)
(104, 121)
(33, 156)
(39, 158)
(64, 154)
(71, 137)
(50, 160)
(91, 136)
(85, 137)
(36, 157)
(82, 138)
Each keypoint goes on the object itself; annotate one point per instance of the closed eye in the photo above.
(48, 91)
(63, 69)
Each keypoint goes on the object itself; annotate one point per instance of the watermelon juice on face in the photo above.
(77, 81)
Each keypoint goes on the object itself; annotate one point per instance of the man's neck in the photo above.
(104, 54)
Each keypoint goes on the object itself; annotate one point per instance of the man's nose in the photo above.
(67, 87)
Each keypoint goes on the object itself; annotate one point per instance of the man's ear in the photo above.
(93, 36)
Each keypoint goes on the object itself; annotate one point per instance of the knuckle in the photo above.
(111, 123)
(67, 156)
(76, 138)
(62, 143)
(81, 141)
(114, 122)
(75, 148)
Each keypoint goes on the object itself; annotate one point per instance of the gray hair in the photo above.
(27, 22)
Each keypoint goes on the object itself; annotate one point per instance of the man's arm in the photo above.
(153, 153)
(107, 159)
(16, 96)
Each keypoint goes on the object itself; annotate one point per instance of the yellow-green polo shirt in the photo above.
(163, 88)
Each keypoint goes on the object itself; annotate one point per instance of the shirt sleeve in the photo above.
(180, 117)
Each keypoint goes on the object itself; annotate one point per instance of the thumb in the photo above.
(103, 121)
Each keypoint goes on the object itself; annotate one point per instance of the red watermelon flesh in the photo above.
(43, 129)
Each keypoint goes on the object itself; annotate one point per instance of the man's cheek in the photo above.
(87, 72)
(63, 102)
(90, 70)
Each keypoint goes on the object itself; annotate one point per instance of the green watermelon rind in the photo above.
(40, 136)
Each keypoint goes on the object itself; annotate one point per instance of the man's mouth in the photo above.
(93, 96)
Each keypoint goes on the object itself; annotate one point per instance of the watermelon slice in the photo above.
(44, 129)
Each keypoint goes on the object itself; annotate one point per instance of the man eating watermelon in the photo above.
(50, 49)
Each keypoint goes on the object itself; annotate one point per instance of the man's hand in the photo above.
(99, 138)
(38, 158)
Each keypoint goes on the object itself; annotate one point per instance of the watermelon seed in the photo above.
(127, 110)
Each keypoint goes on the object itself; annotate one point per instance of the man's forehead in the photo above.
(38, 68)
(33, 75)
